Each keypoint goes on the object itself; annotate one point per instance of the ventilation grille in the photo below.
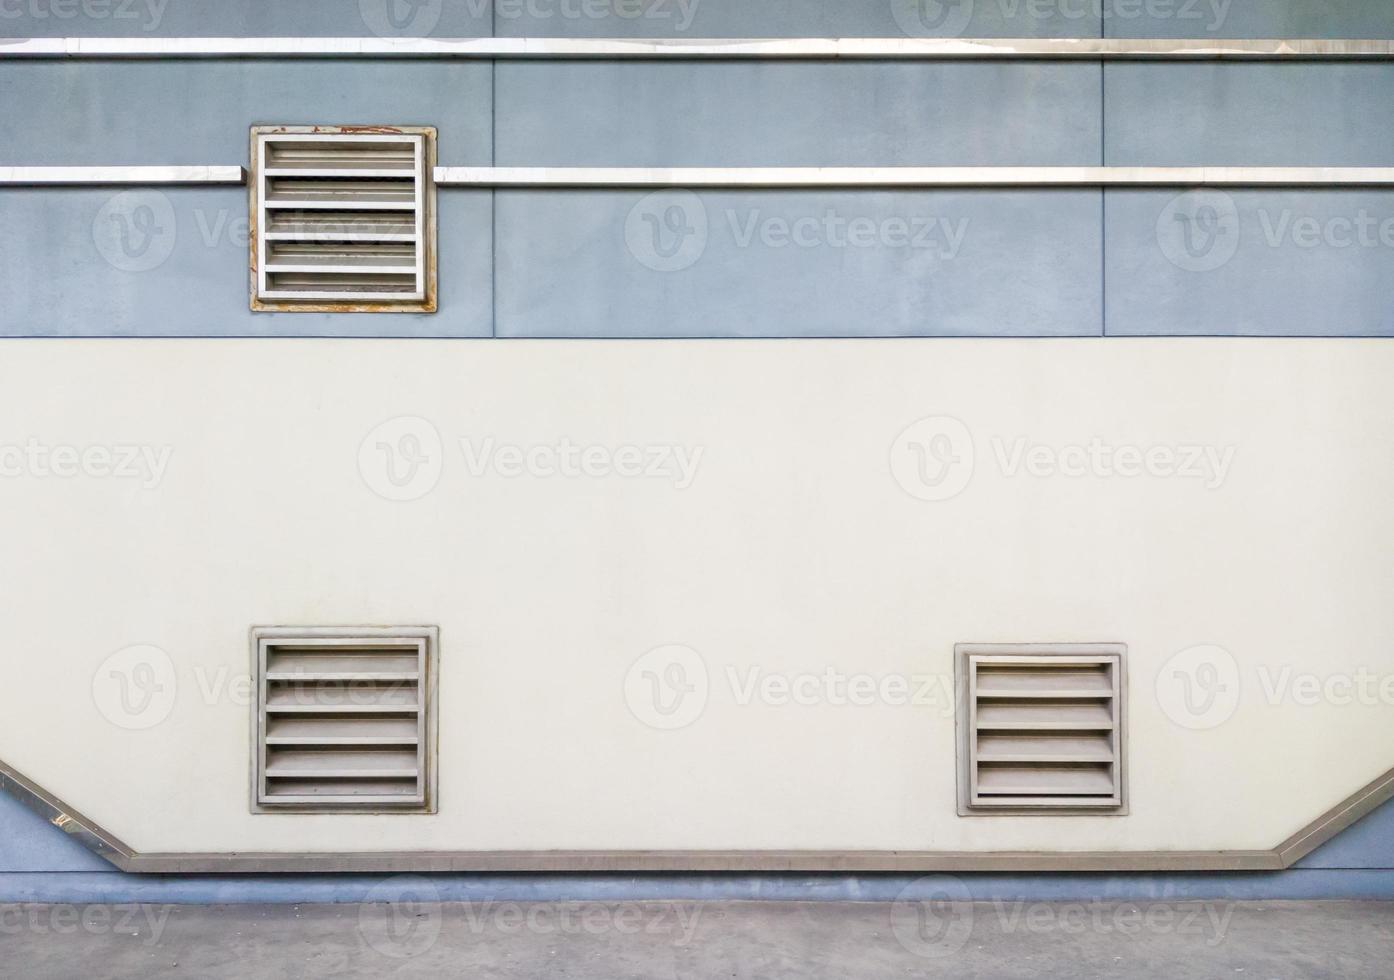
(343, 220)
(344, 721)
(1043, 728)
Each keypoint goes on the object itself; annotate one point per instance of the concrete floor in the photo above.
(1078, 941)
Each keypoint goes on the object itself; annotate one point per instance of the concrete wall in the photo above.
(784, 531)
(798, 547)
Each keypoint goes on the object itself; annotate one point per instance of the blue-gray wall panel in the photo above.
(173, 262)
(1249, 18)
(29, 843)
(784, 264)
(1368, 844)
(796, 18)
(1249, 114)
(200, 112)
(797, 114)
(244, 18)
(1251, 263)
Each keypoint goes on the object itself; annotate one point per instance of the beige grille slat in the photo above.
(1043, 730)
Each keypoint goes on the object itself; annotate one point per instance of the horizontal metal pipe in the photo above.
(849, 48)
(912, 177)
(99, 176)
(754, 178)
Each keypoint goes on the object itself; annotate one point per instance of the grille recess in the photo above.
(1041, 728)
(345, 719)
(344, 219)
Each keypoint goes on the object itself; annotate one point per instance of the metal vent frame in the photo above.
(421, 297)
(1109, 658)
(421, 643)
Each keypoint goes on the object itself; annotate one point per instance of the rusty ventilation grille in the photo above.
(344, 722)
(1041, 729)
(343, 220)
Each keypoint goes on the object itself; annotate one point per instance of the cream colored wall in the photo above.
(795, 550)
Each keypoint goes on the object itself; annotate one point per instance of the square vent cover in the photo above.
(343, 219)
(344, 720)
(1041, 729)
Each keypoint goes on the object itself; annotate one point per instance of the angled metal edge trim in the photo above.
(106, 176)
(852, 48)
(86, 832)
(887, 177)
(92, 836)
(733, 862)
(1340, 817)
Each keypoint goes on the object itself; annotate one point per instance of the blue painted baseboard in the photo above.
(39, 863)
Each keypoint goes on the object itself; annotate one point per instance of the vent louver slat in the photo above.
(343, 721)
(343, 220)
(1043, 729)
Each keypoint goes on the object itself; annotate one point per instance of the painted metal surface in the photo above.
(846, 48)
(113, 262)
(100, 842)
(1262, 115)
(138, 176)
(911, 177)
